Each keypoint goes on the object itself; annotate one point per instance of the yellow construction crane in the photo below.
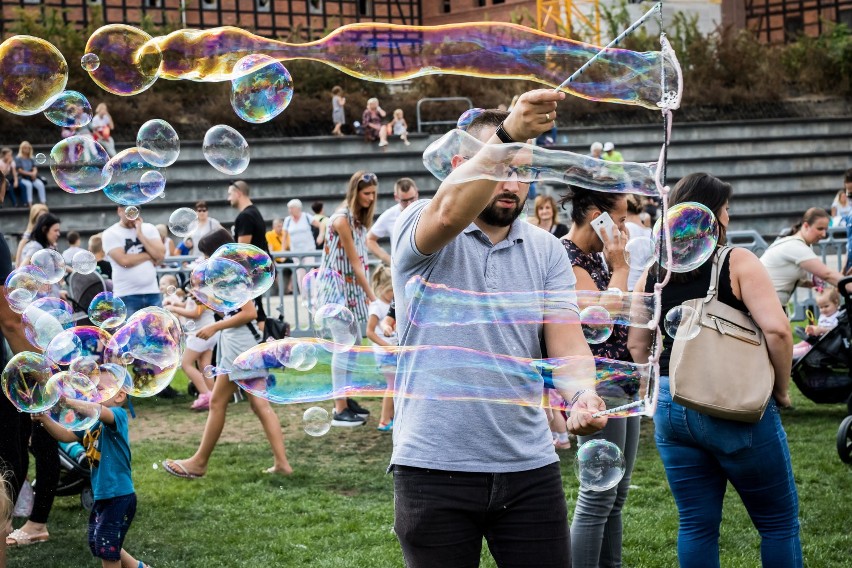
(571, 17)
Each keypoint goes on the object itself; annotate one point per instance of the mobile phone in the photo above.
(603, 223)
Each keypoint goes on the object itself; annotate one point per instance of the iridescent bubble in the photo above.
(682, 322)
(220, 284)
(125, 187)
(111, 378)
(262, 90)
(69, 109)
(106, 310)
(51, 263)
(597, 324)
(599, 465)
(321, 287)
(25, 285)
(183, 222)
(131, 212)
(152, 184)
(467, 117)
(129, 62)
(86, 365)
(694, 233)
(33, 73)
(226, 149)
(25, 379)
(303, 357)
(150, 344)
(80, 165)
(639, 253)
(90, 62)
(76, 342)
(44, 319)
(171, 290)
(257, 263)
(189, 326)
(209, 372)
(40, 159)
(317, 421)
(158, 143)
(84, 262)
(336, 324)
(78, 407)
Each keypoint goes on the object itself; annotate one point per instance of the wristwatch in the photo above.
(504, 136)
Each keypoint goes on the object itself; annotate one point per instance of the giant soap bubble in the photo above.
(79, 165)
(128, 61)
(33, 72)
(25, 379)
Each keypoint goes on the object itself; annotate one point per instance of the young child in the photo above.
(108, 450)
(398, 126)
(378, 309)
(337, 114)
(10, 173)
(828, 302)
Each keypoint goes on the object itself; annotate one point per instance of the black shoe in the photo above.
(347, 419)
(168, 392)
(357, 408)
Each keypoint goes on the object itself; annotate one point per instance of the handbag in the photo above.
(725, 370)
(276, 328)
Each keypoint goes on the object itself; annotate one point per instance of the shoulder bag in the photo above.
(725, 370)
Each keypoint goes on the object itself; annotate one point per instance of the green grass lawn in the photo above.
(337, 508)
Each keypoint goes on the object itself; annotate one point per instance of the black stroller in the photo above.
(824, 374)
(75, 477)
(82, 290)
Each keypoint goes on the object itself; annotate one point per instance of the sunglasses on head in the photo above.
(369, 179)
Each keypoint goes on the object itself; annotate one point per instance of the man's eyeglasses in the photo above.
(408, 201)
(201, 210)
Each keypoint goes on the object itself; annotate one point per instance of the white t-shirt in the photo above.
(782, 260)
(68, 255)
(843, 211)
(380, 309)
(99, 122)
(139, 279)
(301, 237)
(830, 321)
(202, 231)
(633, 231)
(383, 227)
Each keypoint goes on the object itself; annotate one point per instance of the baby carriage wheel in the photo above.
(844, 440)
(87, 498)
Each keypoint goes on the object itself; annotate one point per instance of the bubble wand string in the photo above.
(658, 8)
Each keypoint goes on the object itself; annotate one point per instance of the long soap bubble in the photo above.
(69, 109)
(33, 72)
(299, 370)
(25, 379)
(528, 163)
(262, 90)
(225, 149)
(80, 165)
(126, 186)
(388, 53)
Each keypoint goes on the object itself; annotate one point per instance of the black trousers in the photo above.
(441, 517)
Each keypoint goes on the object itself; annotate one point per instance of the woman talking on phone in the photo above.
(595, 245)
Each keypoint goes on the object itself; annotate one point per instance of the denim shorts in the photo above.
(108, 524)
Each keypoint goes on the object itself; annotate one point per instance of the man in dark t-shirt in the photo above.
(249, 227)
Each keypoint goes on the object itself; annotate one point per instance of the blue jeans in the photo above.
(701, 454)
(848, 243)
(136, 302)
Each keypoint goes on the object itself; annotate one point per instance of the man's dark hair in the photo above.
(404, 185)
(73, 237)
(242, 186)
(212, 241)
(490, 117)
(317, 206)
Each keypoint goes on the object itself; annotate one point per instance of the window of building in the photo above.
(262, 5)
(209, 4)
(845, 17)
(481, 3)
(497, 1)
(32, 1)
(365, 7)
(315, 6)
(446, 8)
(94, 2)
(153, 3)
(793, 27)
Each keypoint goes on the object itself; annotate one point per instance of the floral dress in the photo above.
(616, 346)
(334, 258)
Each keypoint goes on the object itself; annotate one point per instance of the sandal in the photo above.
(19, 538)
(382, 427)
(178, 470)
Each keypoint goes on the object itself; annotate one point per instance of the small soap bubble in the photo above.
(226, 149)
(639, 253)
(40, 159)
(69, 109)
(694, 234)
(320, 287)
(262, 90)
(75, 342)
(126, 186)
(183, 222)
(317, 421)
(597, 324)
(90, 62)
(189, 325)
(155, 466)
(24, 285)
(599, 465)
(209, 372)
(257, 263)
(220, 284)
(131, 212)
(682, 322)
(158, 143)
(336, 324)
(127, 358)
(107, 310)
(84, 262)
(51, 263)
(152, 184)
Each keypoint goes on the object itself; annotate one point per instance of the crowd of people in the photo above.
(469, 236)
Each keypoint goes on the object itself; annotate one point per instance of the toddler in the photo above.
(377, 334)
(828, 302)
(108, 450)
(398, 126)
(337, 113)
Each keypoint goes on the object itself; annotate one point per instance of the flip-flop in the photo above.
(19, 538)
(175, 468)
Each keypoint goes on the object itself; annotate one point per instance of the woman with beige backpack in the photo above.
(717, 413)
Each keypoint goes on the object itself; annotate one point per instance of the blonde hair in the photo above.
(363, 216)
(25, 145)
(841, 196)
(399, 110)
(6, 505)
(381, 281)
(36, 211)
(96, 244)
(829, 293)
(541, 201)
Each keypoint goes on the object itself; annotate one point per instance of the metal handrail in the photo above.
(421, 123)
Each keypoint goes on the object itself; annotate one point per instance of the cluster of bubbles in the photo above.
(233, 275)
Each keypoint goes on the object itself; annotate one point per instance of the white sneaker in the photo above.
(385, 143)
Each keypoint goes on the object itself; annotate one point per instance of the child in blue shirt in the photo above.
(108, 451)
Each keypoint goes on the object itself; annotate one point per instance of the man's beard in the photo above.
(500, 216)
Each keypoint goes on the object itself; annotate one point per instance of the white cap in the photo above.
(609, 147)
(596, 146)
(295, 203)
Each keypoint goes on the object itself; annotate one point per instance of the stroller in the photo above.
(824, 374)
(82, 289)
(75, 477)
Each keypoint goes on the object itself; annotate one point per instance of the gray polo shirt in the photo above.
(430, 429)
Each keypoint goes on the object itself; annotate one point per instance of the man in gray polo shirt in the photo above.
(464, 470)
